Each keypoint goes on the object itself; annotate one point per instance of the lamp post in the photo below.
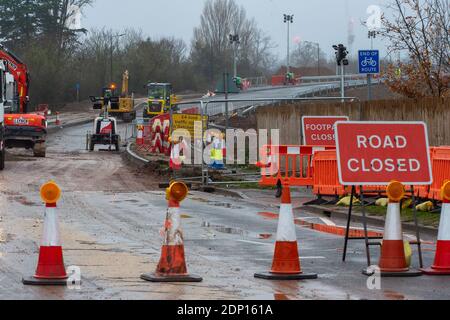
(371, 35)
(288, 18)
(117, 36)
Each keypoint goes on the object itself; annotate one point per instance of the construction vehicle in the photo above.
(22, 129)
(3, 101)
(160, 100)
(105, 127)
(124, 109)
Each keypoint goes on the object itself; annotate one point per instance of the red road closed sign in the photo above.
(319, 130)
(375, 153)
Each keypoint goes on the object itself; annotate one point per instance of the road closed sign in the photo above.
(319, 130)
(375, 153)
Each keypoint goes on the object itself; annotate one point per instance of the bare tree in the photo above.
(421, 27)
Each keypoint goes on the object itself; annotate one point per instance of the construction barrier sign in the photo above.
(319, 130)
(376, 153)
(188, 122)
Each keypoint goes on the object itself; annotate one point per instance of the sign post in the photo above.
(369, 63)
(319, 130)
(375, 154)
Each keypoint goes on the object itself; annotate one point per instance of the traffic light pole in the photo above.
(369, 87)
(288, 49)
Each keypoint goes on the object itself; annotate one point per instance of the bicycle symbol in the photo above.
(369, 62)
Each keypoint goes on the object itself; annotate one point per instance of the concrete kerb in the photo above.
(134, 158)
(374, 221)
(53, 129)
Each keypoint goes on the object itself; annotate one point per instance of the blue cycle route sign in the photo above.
(369, 61)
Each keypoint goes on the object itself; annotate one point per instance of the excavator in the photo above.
(22, 129)
(125, 108)
(160, 100)
(120, 107)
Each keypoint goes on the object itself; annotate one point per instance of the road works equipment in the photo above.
(22, 129)
(172, 264)
(160, 100)
(105, 127)
(2, 112)
(124, 108)
(50, 270)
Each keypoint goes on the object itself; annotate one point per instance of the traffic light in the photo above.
(341, 54)
(289, 18)
(234, 38)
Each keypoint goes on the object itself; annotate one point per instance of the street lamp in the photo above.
(288, 18)
(117, 36)
(235, 42)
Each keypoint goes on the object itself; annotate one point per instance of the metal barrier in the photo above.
(441, 171)
(326, 179)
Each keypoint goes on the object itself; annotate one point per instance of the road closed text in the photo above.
(375, 153)
(376, 142)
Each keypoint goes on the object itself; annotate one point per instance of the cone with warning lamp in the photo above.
(172, 264)
(140, 135)
(393, 259)
(441, 264)
(286, 260)
(50, 269)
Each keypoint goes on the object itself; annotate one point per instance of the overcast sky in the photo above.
(323, 21)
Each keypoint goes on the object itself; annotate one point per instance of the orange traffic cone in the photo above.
(172, 265)
(50, 269)
(286, 260)
(442, 260)
(140, 135)
(393, 260)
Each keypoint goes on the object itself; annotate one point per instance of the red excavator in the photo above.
(22, 129)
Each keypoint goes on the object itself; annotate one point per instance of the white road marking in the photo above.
(255, 242)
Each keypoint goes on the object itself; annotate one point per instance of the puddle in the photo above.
(22, 200)
(217, 203)
(185, 216)
(265, 235)
(236, 231)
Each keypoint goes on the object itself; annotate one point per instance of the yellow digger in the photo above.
(160, 100)
(124, 109)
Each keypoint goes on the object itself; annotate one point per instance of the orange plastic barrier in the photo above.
(291, 164)
(440, 160)
(326, 179)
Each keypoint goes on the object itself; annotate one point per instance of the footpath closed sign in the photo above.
(319, 130)
(375, 153)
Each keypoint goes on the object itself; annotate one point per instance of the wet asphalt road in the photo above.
(111, 215)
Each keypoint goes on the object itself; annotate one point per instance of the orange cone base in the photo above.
(393, 274)
(44, 282)
(171, 267)
(50, 269)
(436, 272)
(157, 277)
(278, 276)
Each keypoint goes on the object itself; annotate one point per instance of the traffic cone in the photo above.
(441, 264)
(286, 260)
(50, 269)
(393, 260)
(172, 265)
(57, 122)
(140, 135)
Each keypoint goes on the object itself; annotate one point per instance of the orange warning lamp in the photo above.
(177, 191)
(445, 191)
(50, 192)
(395, 191)
(113, 86)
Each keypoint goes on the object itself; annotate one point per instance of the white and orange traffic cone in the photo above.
(140, 135)
(286, 260)
(441, 264)
(57, 122)
(172, 265)
(393, 259)
(50, 269)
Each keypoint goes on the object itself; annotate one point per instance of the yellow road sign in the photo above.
(188, 122)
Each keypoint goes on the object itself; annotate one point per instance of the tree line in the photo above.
(62, 58)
